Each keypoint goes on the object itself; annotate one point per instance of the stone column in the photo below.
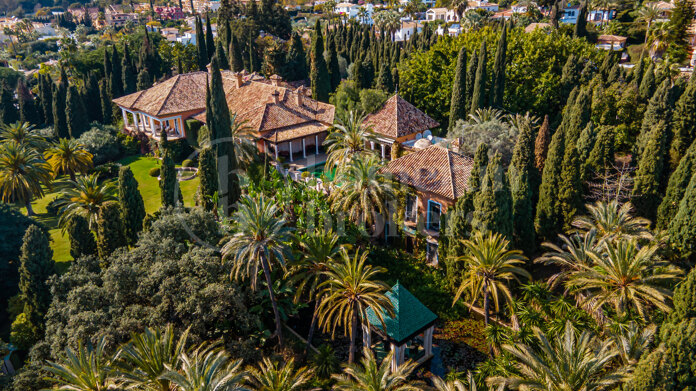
(428, 340)
(290, 143)
(304, 150)
(316, 144)
(395, 357)
(382, 147)
(125, 117)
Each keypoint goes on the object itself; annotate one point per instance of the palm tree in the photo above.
(87, 369)
(569, 362)
(658, 38)
(23, 134)
(490, 266)
(349, 290)
(454, 385)
(84, 197)
(270, 376)
(261, 237)
(459, 7)
(574, 251)
(626, 277)
(648, 13)
(146, 358)
(242, 139)
(23, 172)
(631, 341)
(374, 376)
(611, 221)
(348, 140)
(68, 156)
(319, 249)
(208, 368)
(364, 193)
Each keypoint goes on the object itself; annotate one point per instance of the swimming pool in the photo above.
(318, 171)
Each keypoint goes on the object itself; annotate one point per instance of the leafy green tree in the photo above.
(601, 157)
(384, 79)
(274, 376)
(493, 204)
(110, 234)
(36, 267)
(478, 96)
(471, 69)
(220, 52)
(81, 238)
(319, 71)
(520, 176)
(611, 220)
(570, 186)
(458, 104)
(132, 205)
(377, 376)
(23, 334)
(678, 183)
(76, 115)
(260, 240)
(350, 289)
(498, 82)
(23, 174)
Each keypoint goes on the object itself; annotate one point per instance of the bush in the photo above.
(305, 174)
(23, 334)
(52, 207)
(107, 170)
(154, 172)
(129, 145)
(188, 163)
(103, 143)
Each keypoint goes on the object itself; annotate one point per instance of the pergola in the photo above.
(411, 319)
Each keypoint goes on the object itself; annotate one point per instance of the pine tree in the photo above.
(200, 44)
(91, 98)
(334, 68)
(132, 205)
(479, 169)
(458, 103)
(76, 115)
(319, 74)
(8, 113)
(498, 82)
(683, 124)
(209, 40)
(235, 53)
(107, 113)
(647, 84)
(519, 176)
(116, 79)
(581, 23)
(27, 109)
(81, 238)
(493, 204)
(208, 175)
(541, 144)
(60, 124)
(647, 193)
(548, 219)
(676, 187)
(36, 266)
(128, 74)
(144, 80)
(110, 234)
(478, 96)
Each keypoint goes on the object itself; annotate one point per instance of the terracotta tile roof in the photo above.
(434, 169)
(294, 132)
(177, 94)
(398, 118)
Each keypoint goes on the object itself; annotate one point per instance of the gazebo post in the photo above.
(367, 336)
(395, 357)
(428, 340)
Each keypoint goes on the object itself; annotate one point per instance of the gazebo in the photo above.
(412, 325)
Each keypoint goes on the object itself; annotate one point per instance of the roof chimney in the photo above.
(238, 79)
(276, 96)
(275, 80)
(299, 94)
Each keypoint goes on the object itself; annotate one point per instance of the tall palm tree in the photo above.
(84, 197)
(243, 141)
(459, 7)
(208, 368)
(319, 249)
(490, 266)
(261, 238)
(364, 193)
(348, 140)
(271, 376)
(568, 362)
(349, 290)
(23, 134)
(454, 385)
(87, 369)
(574, 250)
(611, 220)
(374, 376)
(658, 38)
(23, 172)
(68, 156)
(648, 13)
(145, 358)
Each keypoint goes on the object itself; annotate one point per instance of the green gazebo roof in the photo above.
(410, 315)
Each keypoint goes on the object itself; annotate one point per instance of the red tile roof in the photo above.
(398, 118)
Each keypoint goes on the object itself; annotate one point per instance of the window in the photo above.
(411, 208)
(434, 210)
(431, 252)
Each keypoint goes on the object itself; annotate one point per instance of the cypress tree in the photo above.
(458, 103)
(498, 82)
(235, 53)
(478, 97)
(585, 144)
(81, 238)
(110, 234)
(200, 44)
(224, 63)
(168, 183)
(107, 113)
(458, 228)
(683, 124)
(128, 75)
(479, 169)
(208, 175)
(682, 228)
(493, 204)
(548, 219)
(131, 203)
(36, 266)
(144, 80)
(9, 113)
(647, 84)
(319, 74)
(92, 99)
(601, 157)
(570, 187)
(254, 62)
(76, 115)
(659, 110)
(209, 40)
(116, 81)
(46, 96)
(297, 60)
(334, 69)
(384, 80)
(541, 144)
(637, 74)
(676, 187)
(649, 173)
(581, 24)
(27, 109)
(471, 78)
(570, 76)
(60, 124)
(107, 64)
(519, 176)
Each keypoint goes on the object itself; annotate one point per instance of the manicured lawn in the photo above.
(148, 186)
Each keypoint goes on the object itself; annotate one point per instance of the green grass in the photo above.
(149, 189)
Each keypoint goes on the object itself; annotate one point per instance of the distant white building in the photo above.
(354, 11)
(407, 30)
(428, 3)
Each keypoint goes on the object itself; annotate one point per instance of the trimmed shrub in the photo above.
(129, 145)
(107, 170)
(188, 163)
(154, 172)
(102, 143)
